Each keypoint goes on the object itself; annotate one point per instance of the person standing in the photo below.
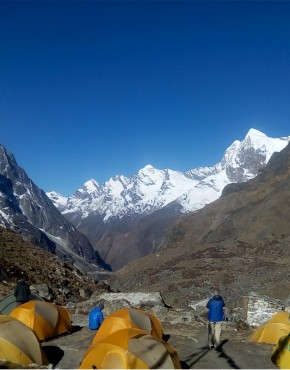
(96, 317)
(215, 308)
(22, 292)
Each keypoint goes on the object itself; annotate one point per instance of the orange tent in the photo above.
(19, 346)
(131, 348)
(141, 319)
(275, 328)
(46, 319)
(129, 318)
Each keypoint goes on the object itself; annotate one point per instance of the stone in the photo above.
(42, 289)
(260, 308)
(85, 293)
(116, 301)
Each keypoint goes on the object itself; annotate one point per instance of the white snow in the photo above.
(151, 189)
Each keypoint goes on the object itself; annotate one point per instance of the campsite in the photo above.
(188, 339)
(179, 339)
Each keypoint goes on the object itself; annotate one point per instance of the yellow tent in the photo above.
(18, 344)
(281, 354)
(46, 319)
(275, 328)
(9, 302)
(141, 319)
(131, 348)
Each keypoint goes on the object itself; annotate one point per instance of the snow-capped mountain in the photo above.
(151, 189)
(26, 209)
(126, 217)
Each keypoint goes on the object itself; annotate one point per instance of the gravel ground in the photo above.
(188, 339)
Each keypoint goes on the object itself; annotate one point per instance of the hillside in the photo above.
(239, 243)
(20, 259)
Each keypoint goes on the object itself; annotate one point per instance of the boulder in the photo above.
(115, 301)
(260, 308)
(43, 290)
(85, 293)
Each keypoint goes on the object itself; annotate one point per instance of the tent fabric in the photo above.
(120, 336)
(18, 344)
(131, 348)
(9, 302)
(281, 353)
(141, 319)
(275, 328)
(111, 325)
(156, 353)
(46, 319)
(110, 356)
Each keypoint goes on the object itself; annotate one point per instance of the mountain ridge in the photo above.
(117, 218)
(27, 210)
(237, 244)
(151, 189)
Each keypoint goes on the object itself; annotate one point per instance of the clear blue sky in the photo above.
(94, 89)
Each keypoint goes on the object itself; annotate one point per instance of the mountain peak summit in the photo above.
(254, 132)
(151, 189)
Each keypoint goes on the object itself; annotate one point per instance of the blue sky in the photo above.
(94, 89)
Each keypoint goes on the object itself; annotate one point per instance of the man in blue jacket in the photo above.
(96, 317)
(215, 308)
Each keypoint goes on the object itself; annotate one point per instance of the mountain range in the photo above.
(126, 217)
(105, 227)
(238, 244)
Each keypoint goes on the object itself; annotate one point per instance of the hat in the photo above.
(101, 306)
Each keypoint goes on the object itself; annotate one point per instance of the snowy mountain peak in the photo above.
(253, 133)
(151, 189)
(91, 186)
(148, 170)
(252, 153)
(57, 198)
(266, 145)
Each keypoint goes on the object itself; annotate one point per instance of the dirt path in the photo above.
(236, 352)
(189, 341)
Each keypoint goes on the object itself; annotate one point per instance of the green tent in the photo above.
(9, 302)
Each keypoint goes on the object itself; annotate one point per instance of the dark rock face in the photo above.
(250, 161)
(237, 244)
(27, 210)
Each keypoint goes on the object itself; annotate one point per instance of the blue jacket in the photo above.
(95, 318)
(215, 309)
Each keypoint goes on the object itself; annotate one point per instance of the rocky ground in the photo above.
(184, 330)
(189, 339)
(21, 259)
(187, 336)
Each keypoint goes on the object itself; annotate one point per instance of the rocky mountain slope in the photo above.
(125, 218)
(26, 209)
(239, 243)
(21, 259)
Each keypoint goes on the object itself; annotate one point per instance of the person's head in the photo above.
(101, 306)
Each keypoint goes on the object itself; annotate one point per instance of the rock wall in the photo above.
(260, 308)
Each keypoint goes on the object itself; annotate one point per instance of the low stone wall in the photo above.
(260, 308)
